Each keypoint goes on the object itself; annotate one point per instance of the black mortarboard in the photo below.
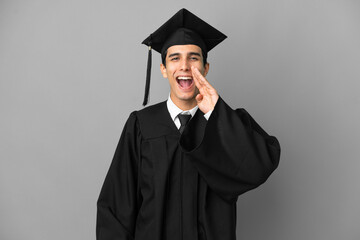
(181, 29)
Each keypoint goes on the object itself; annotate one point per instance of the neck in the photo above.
(184, 105)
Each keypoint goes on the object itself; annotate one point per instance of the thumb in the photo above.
(199, 98)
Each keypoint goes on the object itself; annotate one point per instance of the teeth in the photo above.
(184, 78)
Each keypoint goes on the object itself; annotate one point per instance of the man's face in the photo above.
(179, 60)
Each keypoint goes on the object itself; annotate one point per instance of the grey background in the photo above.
(72, 71)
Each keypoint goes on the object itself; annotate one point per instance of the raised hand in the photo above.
(208, 95)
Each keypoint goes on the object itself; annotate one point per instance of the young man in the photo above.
(168, 181)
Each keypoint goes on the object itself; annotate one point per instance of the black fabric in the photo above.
(184, 36)
(184, 119)
(165, 185)
(198, 32)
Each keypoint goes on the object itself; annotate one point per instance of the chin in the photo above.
(187, 96)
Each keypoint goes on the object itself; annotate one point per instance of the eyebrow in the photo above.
(173, 54)
(194, 53)
(189, 54)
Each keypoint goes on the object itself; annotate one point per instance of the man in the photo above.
(176, 178)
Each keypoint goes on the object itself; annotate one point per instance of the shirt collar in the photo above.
(174, 110)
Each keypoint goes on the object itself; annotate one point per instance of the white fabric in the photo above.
(174, 112)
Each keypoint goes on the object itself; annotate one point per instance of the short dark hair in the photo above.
(163, 57)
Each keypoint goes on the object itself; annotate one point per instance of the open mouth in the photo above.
(185, 82)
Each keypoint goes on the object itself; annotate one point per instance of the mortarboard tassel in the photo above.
(148, 75)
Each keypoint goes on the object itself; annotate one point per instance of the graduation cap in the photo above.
(181, 29)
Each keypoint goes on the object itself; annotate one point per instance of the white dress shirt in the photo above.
(174, 112)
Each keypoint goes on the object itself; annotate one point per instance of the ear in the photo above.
(206, 70)
(163, 70)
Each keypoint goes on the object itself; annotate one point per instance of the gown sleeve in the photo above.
(119, 200)
(232, 153)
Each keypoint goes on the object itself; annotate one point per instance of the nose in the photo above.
(185, 65)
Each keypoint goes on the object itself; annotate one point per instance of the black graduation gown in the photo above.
(162, 185)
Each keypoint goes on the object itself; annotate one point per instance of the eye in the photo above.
(174, 59)
(194, 58)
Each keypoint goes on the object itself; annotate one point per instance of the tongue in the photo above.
(185, 83)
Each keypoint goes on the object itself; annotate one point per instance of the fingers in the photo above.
(196, 80)
(199, 77)
(201, 87)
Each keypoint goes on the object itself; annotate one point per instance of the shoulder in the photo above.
(152, 120)
(151, 110)
(147, 111)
